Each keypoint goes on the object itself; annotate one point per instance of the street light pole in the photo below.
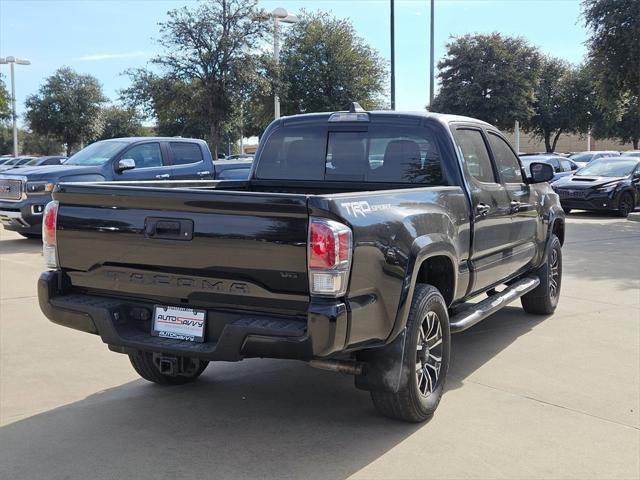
(276, 60)
(12, 61)
(279, 15)
(393, 54)
(431, 55)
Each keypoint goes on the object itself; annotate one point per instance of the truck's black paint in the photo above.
(25, 215)
(247, 259)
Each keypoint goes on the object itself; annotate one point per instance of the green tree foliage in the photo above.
(613, 54)
(325, 66)
(209, 48)
(33, 143)
(614, 42)
(120, 122)
(563, 100)
(619, 119)
(490, 77)
(256, 108)
(176, 105)
(5, 101)
(67, 106)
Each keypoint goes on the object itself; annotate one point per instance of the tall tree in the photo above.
(325, 66)
(491, 77)
(613, 51)
(67, 106)
(563, 100)
(176, 105)
(210, 45)
(120, 122)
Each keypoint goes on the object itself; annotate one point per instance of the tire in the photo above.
(543, 300)
(145, 365)
(421, 390)
(567, 211)
(31, 236)
(626, 205)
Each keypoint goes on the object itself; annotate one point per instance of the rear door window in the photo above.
(476, 155)
(185, 153)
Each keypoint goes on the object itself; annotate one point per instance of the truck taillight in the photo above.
(330, 245)
(49, 243)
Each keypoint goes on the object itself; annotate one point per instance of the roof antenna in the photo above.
(355, 108)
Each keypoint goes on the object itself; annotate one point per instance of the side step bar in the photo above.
(470, 316)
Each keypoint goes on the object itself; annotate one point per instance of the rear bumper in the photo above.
(123, 325)
(24, 216)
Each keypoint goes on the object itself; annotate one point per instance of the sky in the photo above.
(106, 37)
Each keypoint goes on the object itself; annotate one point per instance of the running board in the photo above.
(479, 311)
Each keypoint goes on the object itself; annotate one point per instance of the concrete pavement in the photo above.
(527, 397)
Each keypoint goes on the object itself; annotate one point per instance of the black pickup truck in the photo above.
(25, 191)
(354, 246)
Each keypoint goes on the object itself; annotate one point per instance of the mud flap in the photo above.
(385, 367)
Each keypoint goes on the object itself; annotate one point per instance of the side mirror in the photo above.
(574, 167)
(540, 172)
(125, 164)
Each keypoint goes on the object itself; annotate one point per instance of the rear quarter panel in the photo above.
(394, 231)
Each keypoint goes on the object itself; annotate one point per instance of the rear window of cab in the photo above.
(381, 154)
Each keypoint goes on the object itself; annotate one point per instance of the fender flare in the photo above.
(555, 216)
(423, 248)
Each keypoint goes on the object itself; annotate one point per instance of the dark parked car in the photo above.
(327, 254)
(25, 191)
(48, 160)
(582, 158)
(562, 166)
(606, 184)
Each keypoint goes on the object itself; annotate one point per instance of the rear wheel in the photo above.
(184, 369)
(425, 357)
(543, 300)
(626, 205)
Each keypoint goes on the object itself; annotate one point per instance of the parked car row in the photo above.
(25, 187)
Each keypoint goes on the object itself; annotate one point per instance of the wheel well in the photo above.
(438, 271)
(558, 230)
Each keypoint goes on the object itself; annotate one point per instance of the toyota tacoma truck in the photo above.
(354, 245)
(25, 191)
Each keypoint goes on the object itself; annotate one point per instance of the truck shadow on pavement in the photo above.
(254, 419)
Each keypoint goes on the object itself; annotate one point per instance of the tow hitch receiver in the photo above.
(168, 365)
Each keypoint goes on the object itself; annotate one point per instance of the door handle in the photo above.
(204, 173)
(483, 209)
(515, 206)
(163, 176)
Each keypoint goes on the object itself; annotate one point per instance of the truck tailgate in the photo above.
(210, 248)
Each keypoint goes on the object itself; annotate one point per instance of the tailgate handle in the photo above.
(168, 228)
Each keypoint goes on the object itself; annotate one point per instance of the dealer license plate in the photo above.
(179, 323)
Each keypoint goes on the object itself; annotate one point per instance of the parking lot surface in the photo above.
(527, 397)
